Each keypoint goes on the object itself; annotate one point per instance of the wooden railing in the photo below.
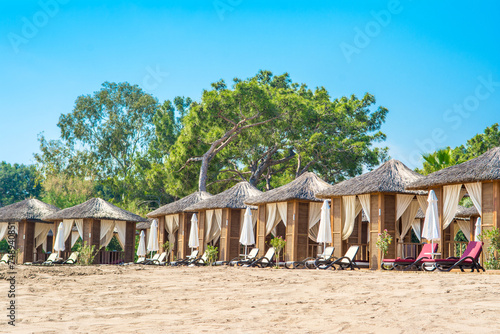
(110, 257)
(409, 249)
(456, 248)
(362, 253)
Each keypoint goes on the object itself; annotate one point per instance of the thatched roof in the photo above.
(180, 205)
(29, 209)
(233, 198)
(95, 208)
(486, 167)
(304, 187)
(391, 177)
(464, 212)
(144, 225)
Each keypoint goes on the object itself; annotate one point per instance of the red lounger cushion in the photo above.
(398, 261)
(445, 261)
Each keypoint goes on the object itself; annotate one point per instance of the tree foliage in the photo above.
(17, 183)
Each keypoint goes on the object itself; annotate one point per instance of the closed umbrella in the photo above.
(477, 230)
(247, 237)
(325, 229)
(194, 242)
(153, 237)
(59, 242)
(141, 250)
(431, 222)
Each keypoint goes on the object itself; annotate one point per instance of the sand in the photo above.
(147, 299)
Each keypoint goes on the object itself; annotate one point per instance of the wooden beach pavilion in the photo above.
(381, 194)
(174, 224)
(292, 212)
(30, 227)
(96, 221)
(479, 178)
(220, 219)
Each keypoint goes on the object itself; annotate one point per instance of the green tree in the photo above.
(17, 183)
(438, 160)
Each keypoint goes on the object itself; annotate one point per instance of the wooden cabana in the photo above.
(25, 219)
(382, 196)
(292, 212)
(479, 178)
(174, 224)
(96, 221)
(220, 219)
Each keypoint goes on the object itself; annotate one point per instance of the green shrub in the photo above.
(493, 238)
(86, 254)
(279, 244)
(212, 252)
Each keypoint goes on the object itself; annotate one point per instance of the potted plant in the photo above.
(384, 239)
(279, 244)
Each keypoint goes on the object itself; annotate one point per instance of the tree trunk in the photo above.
(202, 182)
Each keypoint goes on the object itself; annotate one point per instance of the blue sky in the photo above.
(436, 67)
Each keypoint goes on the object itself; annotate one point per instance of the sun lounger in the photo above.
(346, 261)
(5, 258)
(308, 263)
(51, 260)
(147, 261)
(265, 261)
(468, 260)
(159, 260)
(201, 261)
(185, 261)
(241, 260)
(72, 258)
(409, 262)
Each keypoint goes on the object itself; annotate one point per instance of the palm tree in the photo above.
(438, 160)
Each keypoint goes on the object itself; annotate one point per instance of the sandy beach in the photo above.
(144, 299)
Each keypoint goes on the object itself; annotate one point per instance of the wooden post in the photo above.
(129, 242)
(261, 229)
(201, 231)
(25, 241)
(162, 233)
(224, 234)
(291, 231)
(337, 226)
(375, 221)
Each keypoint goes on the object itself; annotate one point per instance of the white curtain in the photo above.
(4, 228)
(121, 229)
(41, 232)
(254, 217)
(282, 206)
(403, 201)
(314, 217)
(351, 209)
(68, 225)
(451, 197)
(171, 225)
(107, 229)
(79, 227)
(209, 214)
(475, 193)
(417, 229)
(74, 237)
(407, 220)
(271, 217)
(218, 225)
(422, 201)
(464, 225)
(365, 204)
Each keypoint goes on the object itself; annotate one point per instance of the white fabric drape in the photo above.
(271, 217)
(282, 206)
(107, 229)
(79, 227)
(351, 209)
(475, 192)
(74, 237)
(171, 226)
(209, 214)
(403, 201)
(408, 218)
(451, 197)
(41, 232)
(68, 225)
(254, 218)
(365, 204)
(477, 229)
(121, 229)
(464, 225)
(314, 217)
(417, 229)
(4, 228)
(218, 225)
(325, 231)
(422, 201)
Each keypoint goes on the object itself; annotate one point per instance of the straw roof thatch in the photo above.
(233, 198)
(95, 208)
(486, 167)
(464, 212)
(180, 205)
(144, 225)
(303, 188)
(29, 209)
(391, 177)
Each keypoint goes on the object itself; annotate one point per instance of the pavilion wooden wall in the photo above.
(230, 234)
(261, 230)
(25, 241)
(183, 235)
